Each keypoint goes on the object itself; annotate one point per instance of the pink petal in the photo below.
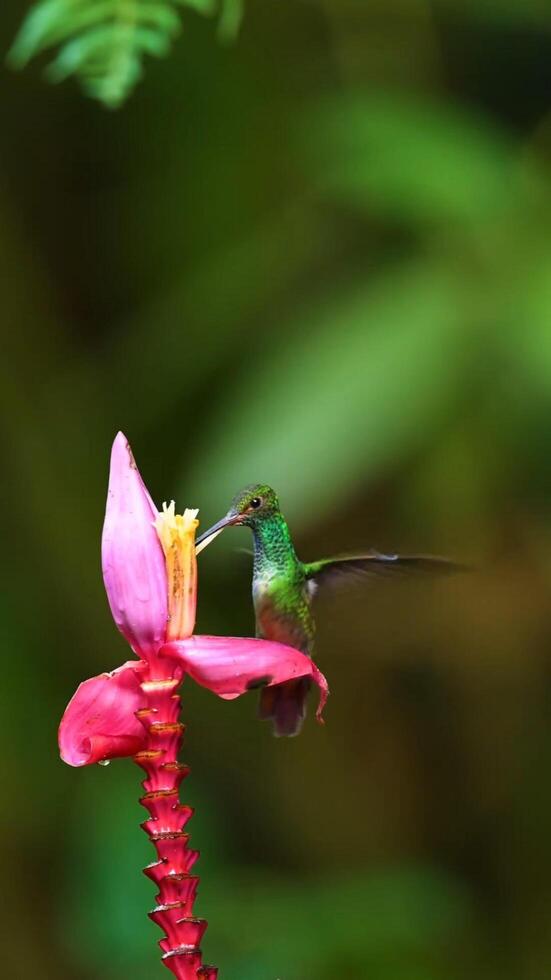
(132, 557)
(230, 666)
(100, 721)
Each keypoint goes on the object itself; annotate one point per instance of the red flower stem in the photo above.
(171, 872)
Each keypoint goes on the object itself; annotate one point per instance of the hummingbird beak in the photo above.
(206, 537)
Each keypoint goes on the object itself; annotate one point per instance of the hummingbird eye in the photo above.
(256, 502)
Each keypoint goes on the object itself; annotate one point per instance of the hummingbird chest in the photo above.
(282, 610)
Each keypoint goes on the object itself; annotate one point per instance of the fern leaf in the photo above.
(103, 42)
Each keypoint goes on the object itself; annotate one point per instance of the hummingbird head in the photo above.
(251, 506)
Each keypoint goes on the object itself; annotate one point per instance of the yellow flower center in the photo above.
(177, 536)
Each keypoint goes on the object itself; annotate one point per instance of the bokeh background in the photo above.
(318, 257)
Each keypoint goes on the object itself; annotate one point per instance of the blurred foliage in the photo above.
(319, 258)
(103, 42)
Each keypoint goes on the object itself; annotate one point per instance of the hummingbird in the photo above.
(283, 588)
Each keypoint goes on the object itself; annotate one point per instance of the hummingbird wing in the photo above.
(374, 565)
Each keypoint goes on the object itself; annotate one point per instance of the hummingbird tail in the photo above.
(285, 705)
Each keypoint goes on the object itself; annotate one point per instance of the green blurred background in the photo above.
(318, 257)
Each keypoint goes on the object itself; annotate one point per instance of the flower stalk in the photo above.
(166, 825)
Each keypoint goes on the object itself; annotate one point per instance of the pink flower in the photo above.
(149, 591)
(150, 574)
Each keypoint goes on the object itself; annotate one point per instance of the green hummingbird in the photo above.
(284, 586)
